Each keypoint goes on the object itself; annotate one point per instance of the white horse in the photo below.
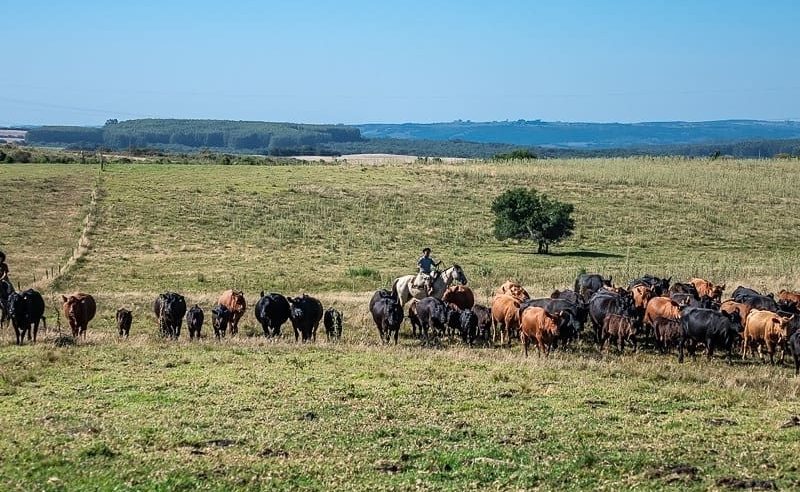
(403, 287)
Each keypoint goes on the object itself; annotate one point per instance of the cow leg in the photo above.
(681, 343)
(709, 348)
(796, 358)
(621, 343)
(396, 335)
(35, 330)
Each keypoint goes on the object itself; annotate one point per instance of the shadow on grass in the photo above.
(575, 254)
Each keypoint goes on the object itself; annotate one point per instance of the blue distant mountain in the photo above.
(587, 135)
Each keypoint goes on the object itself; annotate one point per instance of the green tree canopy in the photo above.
(522, 213)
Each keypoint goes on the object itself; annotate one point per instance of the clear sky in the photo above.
(81, 62)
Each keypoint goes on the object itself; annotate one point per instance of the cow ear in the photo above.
(64, 298)
(722, 286)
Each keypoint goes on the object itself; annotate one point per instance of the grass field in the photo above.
(247, 413)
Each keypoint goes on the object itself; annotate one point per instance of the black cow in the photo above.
(484, 315)
(332, 320)
(433, 314)
(382, 294)
(169, 309)
(305, 314)
(469, 325)
(693, 301)
(220, 317)
(684, 288)
(713, 328)
(740, 292)
(194, 321)
(794, 347)
(6, 289)
(272, 311)
(659, 286)
(387, 315)
(588, 283)
(26, 310)
(764, 303)
(606, 302)
(124, 322)
(571, 319)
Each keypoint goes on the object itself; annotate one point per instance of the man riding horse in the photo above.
(426, 264)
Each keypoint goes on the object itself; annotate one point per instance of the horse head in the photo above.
(455, 274)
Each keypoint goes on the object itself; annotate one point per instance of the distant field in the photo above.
(145, 414)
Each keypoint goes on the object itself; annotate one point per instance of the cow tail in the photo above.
(395, 294)
(44, 324)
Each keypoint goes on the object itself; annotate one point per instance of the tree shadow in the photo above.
(576, 254)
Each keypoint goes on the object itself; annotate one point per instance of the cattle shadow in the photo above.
(576, 254)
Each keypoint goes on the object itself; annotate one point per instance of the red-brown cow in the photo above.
(505, 318)
(766, 330)
(234, 301)
(540, 326)
(512, 289)
(460, 295)
(707, 289)
(79, 309)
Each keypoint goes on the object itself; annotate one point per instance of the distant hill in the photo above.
(588, 135)
(221, 135)
(739, 138)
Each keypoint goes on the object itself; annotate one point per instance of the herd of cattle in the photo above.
(650, 310)
(25, 310)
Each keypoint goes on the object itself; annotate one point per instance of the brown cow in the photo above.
(79, 309)
(505, 318)
(661, 306)
(540, 326)
(234, 301)
(706, 288)
(641, 296)
(514, 290)
(766, 330)
(484, 320)
(731, 306)
(790, 297)
(620, 327)
(460, 295)
(668, 333)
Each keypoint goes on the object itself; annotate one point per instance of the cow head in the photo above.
(71, 305)
(735, 321)
(393, 313)
(16, 306)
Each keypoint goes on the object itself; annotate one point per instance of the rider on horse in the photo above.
(425, 264)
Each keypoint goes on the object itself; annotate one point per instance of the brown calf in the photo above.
(668, 333)
(621, 328)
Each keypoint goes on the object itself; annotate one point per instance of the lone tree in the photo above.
(522, 213)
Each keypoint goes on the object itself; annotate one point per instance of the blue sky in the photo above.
(82, 62)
